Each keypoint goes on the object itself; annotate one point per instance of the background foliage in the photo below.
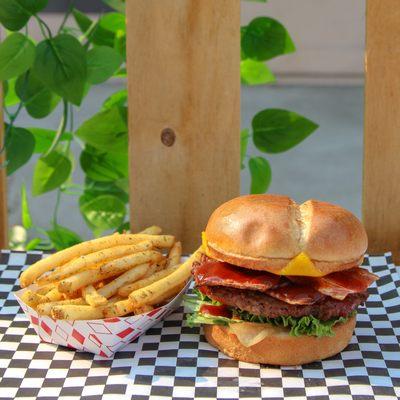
(57, 73)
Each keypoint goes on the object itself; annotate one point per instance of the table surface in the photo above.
(174, 361)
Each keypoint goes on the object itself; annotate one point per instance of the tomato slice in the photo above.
(216, 311)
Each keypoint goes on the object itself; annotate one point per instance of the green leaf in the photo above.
(113, 22)
(116, 99)
(120, 43)
(17, 53)
(255, 73)
(260, 171)
(25, 214)
(94, 189)
(106, 131)
(14, 14)
(44, 138)
(124, 227)
(60, 63)
(276, 130)
(103, 213)
(102, 62)
(33, 244)
(62, 237)
(104, 167)
(10, 97)
(265, 38)
(244, 141)
(97, 35)
(50, 172)
(19, 148)
(118, 5)
(38, 100)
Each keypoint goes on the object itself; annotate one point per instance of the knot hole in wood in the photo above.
(168, 137)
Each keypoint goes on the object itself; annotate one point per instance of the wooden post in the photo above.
(3, 184)
(381, 186)
(184, 112)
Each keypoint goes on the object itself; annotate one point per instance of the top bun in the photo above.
(265, 232)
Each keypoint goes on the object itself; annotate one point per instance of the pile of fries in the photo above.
(108, 277)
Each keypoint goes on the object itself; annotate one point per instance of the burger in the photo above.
(277, 282)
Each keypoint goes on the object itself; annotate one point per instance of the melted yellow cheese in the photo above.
(250, 334)
(204, 243)
(301, 265)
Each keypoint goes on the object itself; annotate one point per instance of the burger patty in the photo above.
(258, 303)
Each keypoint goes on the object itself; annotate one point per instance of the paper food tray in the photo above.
(101, 336)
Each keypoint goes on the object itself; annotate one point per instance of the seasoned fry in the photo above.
(116, 267)
(128, 289)
(93, 297)
(45, 308)
(75, 312)
(116, 298)
(143, 309)
(175, 254)
(151, 230)
(91, 246)
(53, 295)
(152, 293)
(129, 276)
(93, 260)
(118, 309)
(43, 290)
(122, 264)
(31, 298)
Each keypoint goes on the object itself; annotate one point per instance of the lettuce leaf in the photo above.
(307, 325)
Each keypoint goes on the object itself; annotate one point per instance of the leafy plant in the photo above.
(56, 74)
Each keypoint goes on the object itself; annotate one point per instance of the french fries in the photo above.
(151, 230)
(175, 254)
(112, 276)
(92, 260)
(129, 276)
(45, 308)
(74, 312)
(126, 290)
(91, 246)
(154, 292)
(93, 297)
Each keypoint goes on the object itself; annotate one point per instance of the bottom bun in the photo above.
(280, 348)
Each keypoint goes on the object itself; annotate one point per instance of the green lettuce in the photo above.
(307, 325)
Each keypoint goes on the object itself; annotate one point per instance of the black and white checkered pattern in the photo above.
(174, 361)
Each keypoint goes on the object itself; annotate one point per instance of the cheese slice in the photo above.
(301, 265)
(204, 243)
(249, 333)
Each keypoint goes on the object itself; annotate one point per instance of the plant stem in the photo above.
(66, 15)
(10, 125)
(60, 129)
(43, 26)
(56, 207)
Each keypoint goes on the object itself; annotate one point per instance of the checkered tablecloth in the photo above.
(174, 361)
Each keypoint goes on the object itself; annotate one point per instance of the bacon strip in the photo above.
(296, 294)
(339, 284)
(217, 273)
(300, 290)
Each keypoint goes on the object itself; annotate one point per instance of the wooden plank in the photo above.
(184, 112)
(381, 186)
(3, 185)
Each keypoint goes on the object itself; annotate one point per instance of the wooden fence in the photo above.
(184, 117)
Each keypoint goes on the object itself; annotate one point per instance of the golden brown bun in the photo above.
(265, 232)
(281, 348)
